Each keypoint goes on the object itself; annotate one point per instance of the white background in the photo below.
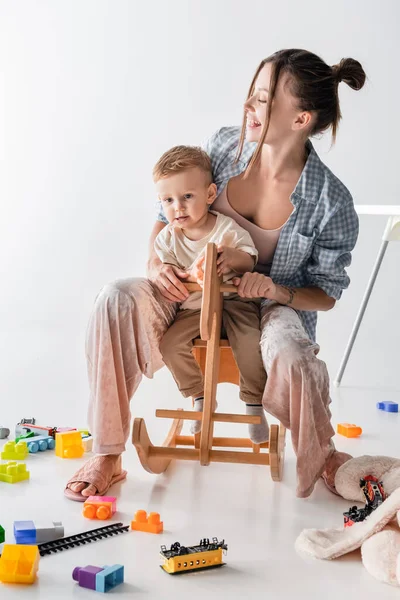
(91, 93)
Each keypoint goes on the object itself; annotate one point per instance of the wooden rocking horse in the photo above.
(218, 365)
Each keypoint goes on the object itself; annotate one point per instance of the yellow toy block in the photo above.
(149, 524)
(13, 472)
(19, 564)
(69, 444)
(13, 451)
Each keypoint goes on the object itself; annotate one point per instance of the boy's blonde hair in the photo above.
(181, 158)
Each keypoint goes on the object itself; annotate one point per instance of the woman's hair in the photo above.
(313, 83)
(181, 158)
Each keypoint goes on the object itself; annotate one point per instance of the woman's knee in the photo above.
(292, 352)
(123, 290)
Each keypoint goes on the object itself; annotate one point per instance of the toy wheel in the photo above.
(277, 451)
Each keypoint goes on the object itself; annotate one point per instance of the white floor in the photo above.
(258, 518)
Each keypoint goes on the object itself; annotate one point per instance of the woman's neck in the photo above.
(278, 163)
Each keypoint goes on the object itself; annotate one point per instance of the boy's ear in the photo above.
(212, 193)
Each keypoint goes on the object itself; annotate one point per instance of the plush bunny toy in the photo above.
(378, 535)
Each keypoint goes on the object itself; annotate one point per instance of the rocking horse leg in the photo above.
(141, 441)
(277, 451)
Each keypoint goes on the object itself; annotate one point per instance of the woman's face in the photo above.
(285, 114)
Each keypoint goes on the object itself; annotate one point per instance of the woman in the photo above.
(303, 222)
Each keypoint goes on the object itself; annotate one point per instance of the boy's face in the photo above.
(185, 197)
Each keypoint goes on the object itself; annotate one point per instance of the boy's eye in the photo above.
(188, 196)
(167, 200)
(262, 101)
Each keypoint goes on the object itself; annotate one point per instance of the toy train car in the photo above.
(183, 559)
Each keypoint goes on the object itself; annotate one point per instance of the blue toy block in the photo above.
(109, 578)
(39, 443)
(388, 406)
(25, 532)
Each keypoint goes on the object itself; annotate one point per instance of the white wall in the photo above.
(92, 92)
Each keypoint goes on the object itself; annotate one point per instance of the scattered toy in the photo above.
(19, 564)
(99, 507)
(40, 443)
(374, 495)
(81, 538)
(29, 532)
(13, 451)
(13, 472)
(349, 430)
(2, 535)
(388, 406)
(69, 444)
(101, 579)
(4, 432)
(183, 559)
(149, 524)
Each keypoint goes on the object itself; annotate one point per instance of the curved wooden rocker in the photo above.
(216, 360)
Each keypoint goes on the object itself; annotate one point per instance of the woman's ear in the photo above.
(303, 120)
(212, 193)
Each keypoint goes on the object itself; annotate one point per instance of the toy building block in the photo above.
(4, 432)
(13, 472)
(48, 532)
(13, 451)
(24, 436)
(25, 532)
(64, 429)
(69, 444)
(388, 406)
(40, 443)
(19, 564)
(21, 429)
(29, 532)
(87, 443)
(101, 579)
(149, 524)
(99, 507)
(2, 535)
(85, 432)
(109, 578)
(86, 576)
(349, 430)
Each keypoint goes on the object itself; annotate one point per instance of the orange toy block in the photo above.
(99, 507)
(349, 430)
(19, 564)
(69, 444)
(149, 524)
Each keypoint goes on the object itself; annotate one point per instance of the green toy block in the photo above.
(2, 534)
(13, 472)
(13, 451)
(25, 436)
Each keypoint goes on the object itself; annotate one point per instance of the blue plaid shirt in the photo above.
(316, 242)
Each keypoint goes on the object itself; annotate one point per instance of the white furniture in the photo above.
(391, 234)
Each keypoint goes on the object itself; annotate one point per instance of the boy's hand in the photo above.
(196, 273)
(227, 257)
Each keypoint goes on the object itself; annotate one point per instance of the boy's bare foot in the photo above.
(96, 476)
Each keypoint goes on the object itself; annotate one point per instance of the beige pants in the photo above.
(241, 322)
(129, 319)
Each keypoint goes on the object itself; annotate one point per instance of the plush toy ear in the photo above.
(380, 556)
(384, 468)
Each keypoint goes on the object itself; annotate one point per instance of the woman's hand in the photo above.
(167, 279)
(255, 285)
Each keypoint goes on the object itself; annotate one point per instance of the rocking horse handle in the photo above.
(212, 290)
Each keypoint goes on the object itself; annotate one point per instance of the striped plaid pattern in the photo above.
(315, 244)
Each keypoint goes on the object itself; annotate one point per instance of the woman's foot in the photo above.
(96, 476)
(336, 460)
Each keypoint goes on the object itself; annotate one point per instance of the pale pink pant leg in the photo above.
(297, 391)
(128, 320)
